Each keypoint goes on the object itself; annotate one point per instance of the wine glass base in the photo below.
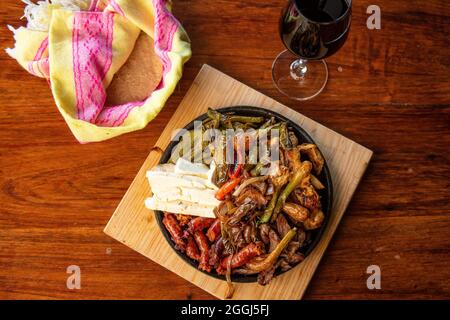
(299, 88)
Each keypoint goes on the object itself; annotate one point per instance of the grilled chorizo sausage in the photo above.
(242, 256)
(203, 245)
(171, 224)
(214, 231)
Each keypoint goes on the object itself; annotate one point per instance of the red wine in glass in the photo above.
(311, 30)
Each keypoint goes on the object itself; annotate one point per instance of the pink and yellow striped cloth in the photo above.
(82, 51)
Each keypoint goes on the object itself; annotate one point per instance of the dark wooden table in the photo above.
(388, 89)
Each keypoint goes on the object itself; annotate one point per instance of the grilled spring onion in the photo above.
(230, 286)
(316, 183)
(259, 265)
(248, 182)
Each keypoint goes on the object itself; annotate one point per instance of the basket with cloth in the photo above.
(111, 64)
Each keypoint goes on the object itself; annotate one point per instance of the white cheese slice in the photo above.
(184, 188)
(188, 168)
(178, 206)
(166, 167)
(176, 179)
(201, 196)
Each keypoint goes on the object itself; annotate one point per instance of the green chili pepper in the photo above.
(293, 139)
(293, 183)
(213, 114)
(275, 126)
(270, 207)
(220, 174)
(248, 167)
(182, 145)
(245, 119)
(227, 125)
(267, 123)
(257, 169)
(284, 136)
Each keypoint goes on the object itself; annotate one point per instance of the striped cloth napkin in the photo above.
(78, 46)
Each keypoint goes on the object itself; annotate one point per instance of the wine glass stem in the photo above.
(298, 69)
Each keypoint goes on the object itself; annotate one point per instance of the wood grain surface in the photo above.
(388, 89)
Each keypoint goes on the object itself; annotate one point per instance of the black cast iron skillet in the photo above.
(325, 177)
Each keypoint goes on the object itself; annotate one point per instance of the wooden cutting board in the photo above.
(135, 226)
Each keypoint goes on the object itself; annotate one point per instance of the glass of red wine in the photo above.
(311, 30)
